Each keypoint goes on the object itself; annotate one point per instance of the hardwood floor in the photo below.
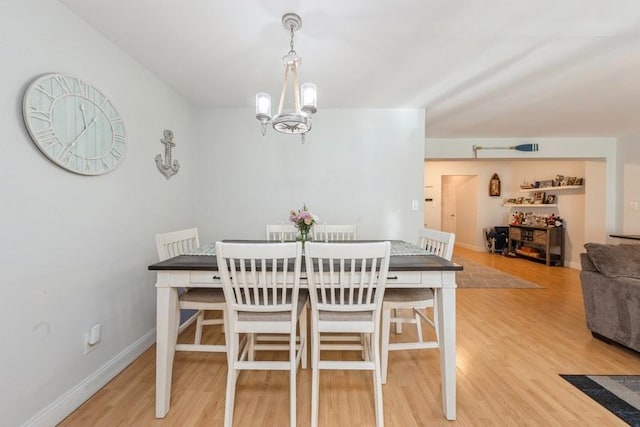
(512, 346)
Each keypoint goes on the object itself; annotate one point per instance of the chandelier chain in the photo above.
(291, 51)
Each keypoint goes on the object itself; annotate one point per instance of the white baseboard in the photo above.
(71, 400)
(472, 247)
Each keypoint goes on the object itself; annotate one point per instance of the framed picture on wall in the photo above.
(538, 197)
(494, 185)
(550, 199)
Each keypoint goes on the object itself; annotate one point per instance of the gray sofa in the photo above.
(610, 279)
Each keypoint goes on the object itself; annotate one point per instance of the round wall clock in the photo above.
(74, 124)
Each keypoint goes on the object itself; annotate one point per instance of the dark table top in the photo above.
(396, 263)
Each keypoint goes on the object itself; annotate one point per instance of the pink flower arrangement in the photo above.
(303, 220)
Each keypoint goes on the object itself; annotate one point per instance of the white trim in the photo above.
(72, 399)
(472, 247)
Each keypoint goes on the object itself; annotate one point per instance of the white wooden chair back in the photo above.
(262, 290)
(437, 242)
(347, 277)
(331, 233)
(281, 232)
(257, 277)
(346, 285)
(176, 243)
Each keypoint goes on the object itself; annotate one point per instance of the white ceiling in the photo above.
(480, 68)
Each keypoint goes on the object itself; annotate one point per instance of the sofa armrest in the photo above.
(612, 307)
(586, 263)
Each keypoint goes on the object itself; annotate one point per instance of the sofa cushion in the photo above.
(615, 260)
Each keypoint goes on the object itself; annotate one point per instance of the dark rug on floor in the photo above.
(620, 394)
(478, 276)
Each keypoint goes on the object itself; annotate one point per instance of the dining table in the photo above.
(409, 267)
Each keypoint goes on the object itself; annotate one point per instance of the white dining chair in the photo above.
(417, 300)
(281, 232)
(261, 282)
(334, 232)
(346, 285)
(176, 243)
(269, 342)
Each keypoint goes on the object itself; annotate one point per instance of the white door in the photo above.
(448, 219)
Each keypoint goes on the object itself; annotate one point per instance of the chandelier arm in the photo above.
(284, 88)
(296, 87)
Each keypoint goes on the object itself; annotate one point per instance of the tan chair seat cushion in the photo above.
(345, 316)
(277, 316)
(408, 294)
(203, 295)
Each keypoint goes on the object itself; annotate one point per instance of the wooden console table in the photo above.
(549, 239)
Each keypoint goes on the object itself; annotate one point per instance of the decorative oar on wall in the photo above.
(521, 147)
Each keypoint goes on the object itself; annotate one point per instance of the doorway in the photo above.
(460, 206)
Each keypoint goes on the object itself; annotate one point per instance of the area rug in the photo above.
(478, 276)
(620, 394)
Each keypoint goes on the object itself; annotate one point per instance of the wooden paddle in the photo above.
(521, 147)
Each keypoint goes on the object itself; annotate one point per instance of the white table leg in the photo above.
(167, 314)
(445, 298)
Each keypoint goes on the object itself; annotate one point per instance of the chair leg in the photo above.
(364, 338)
(315, 375)
(418, 324)
(227, 336)
(386, 326)
(304, 344)
(292, 377)
(232, 375)
(397, 314)
(199, 320)
(251, 342)
(377, 380)
(435, 322)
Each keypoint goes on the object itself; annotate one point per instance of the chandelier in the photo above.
(297, 118)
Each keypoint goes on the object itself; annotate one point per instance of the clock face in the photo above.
(74, 124)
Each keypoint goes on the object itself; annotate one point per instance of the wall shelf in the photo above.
(558, 188)
(530, 205)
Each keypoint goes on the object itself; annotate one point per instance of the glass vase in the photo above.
(303, 237)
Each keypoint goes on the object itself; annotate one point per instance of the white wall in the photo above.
(594, 208)
(599, 162)
(571, 203)
(75, 249)
(601, 148)
(572, 206)
(488, 210)
(630, 155)
(356, 166)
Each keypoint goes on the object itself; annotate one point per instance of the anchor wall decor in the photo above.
(167, 168)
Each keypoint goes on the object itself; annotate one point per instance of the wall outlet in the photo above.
(92, 338)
